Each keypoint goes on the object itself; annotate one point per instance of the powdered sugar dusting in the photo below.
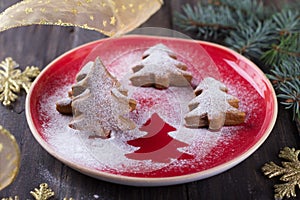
(160, 67)
(98, 103)
(213, 102)
(108, 155)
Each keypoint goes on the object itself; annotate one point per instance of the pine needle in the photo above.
(266, 35)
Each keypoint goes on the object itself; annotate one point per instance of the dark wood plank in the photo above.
(30, 46)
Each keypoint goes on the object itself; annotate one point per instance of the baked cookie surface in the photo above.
(99, 102)
(160, 68)
(213, 106)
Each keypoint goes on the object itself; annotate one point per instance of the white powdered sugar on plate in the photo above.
(109, 154)
(171, 105)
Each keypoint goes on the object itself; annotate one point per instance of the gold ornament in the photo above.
(9, 158)
(289, 172)
(17, 198)
(12, 80)
(43, 193)
(11, 198)
(110, 17)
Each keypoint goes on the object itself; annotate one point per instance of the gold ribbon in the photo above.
(110, 17)
(9, 158)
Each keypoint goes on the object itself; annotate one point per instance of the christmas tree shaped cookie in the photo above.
(213, 107)
(160, 68)
(99, 102)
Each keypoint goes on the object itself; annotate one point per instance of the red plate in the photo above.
(160, 151)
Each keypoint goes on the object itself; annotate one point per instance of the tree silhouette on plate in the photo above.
(157, 145)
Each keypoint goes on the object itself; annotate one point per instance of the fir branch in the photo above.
(214, 19)
(252, 38)
(290, 92)
(287, 70)
(272, 38)
(207, 21)
(248, 8)
(287, 22)
(286, 79)
(288, 47)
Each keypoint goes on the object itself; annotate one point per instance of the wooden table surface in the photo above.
(39, 45)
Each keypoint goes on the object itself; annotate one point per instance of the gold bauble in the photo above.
(9, 158)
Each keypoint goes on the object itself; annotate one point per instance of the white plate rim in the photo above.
(143, 181)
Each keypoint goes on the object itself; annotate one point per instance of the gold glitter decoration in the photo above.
(12, 80)
(11, 198)
(17, 198)
(289, 172)
(9, 158)
(110, 17)
(43, 193)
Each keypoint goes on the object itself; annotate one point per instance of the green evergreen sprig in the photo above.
(286, 79)
(251, 38)
(208, 22)
(291, 96)
(214, 19)
(286, 48)
(267, 36)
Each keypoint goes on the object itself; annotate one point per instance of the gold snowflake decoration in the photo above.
(11, 198)
(12, 80)
(289, 172)
(41, 193)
